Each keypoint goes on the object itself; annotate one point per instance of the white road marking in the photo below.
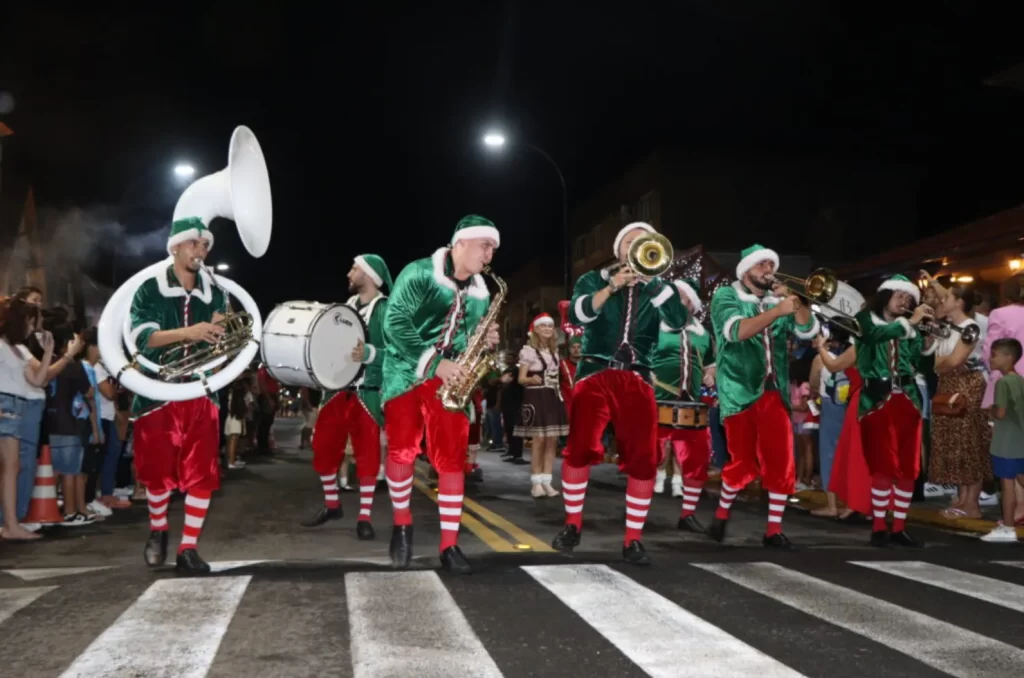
(37, 573)
(987, 589)
(12, 600)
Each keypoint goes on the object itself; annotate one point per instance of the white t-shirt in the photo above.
(107, 409)
(13, 361)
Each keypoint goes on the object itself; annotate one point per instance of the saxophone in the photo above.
(478, 360)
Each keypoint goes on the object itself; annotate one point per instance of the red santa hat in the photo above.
(542, 319)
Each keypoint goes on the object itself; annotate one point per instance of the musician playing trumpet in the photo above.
(889, 354)
(752, 329)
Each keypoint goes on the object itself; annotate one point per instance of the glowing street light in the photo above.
(184, 170)
(222, 267)
(494, 139)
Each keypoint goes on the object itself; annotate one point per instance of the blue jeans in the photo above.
(28, 452)
(112, 449)
(833, 417)
(493, 428)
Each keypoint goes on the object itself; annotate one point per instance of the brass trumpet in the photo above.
(818, 289)
(649, 255)
(943, 329)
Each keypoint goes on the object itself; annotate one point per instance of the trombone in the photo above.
(943, 329)
(649, 255)
(819, 288)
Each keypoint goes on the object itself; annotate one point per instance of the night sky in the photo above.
(370, 118)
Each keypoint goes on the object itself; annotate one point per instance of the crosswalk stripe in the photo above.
(35, 574)
(173, 629)
(987, 589)
(943, 646)
(406, 623)
(648, 628)
(1011, 563)
(12, 600)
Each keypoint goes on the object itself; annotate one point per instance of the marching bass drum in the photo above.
(306, 343)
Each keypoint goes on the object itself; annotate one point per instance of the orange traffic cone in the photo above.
(43, 508)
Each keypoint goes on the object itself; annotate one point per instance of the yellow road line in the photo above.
(522, 536)
(484, 533)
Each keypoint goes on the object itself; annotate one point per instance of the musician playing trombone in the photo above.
(889, 353)
(177, 443)
(752, 329)
(620, 313)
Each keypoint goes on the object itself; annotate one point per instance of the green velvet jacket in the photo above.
(681, 352)
(881, 341)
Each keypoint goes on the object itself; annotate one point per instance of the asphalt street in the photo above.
(290, 601)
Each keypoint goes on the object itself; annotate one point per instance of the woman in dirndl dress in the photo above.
(542, 415)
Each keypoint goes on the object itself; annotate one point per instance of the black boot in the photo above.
(567, 539)
(880, 538)
(155, 552)
(189, 562)
(691, 524)
(323, 515)
(717, 529)
(452, 560)
(902, 538)
(401, 547)
(779, 542)
(364, 530)
(634, 554)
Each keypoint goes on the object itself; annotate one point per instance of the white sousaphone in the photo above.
(240, 192)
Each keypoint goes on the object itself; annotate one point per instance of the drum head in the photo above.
(329, 352)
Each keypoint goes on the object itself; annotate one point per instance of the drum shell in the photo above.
(308, 344)
(683, 414)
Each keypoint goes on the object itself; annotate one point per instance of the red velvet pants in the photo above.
(177, 447)
(692, 448)
(627, 401)
(343, 417)
(891, 437)
(760, 440)
(476, 426)
(410, 414)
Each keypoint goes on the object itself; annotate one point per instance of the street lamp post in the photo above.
(497, 140)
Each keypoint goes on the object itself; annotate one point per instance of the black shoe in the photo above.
(155, 552)
(364, 530)
(902, 538)
(401, 547)
(189, 562)
(690, 524)
(880, 538)
(567, 539)
(634, 554)
(779, 542)
(453, 561)
(717, 529)
(323, 515)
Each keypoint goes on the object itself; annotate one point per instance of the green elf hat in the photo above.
(476, 226)
(754, 255)
(900, 283)
(689, 290)
(375, 267)
(574, 338)
(191, 228)
(626, 229)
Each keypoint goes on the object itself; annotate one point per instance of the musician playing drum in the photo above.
(435, 307)
(177, 443)
(355, 412)
(752, 329)
(620, 314)
(682, 362)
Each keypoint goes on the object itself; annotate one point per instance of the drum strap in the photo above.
(684, 361)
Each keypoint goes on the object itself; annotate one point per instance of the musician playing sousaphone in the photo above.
(620, 313)
(889, 355)
(436, 306)
(355, 413)
(683, 361)
(752, 329)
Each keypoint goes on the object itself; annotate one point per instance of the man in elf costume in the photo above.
(889, 353)
(680, 362)
(752, 330)
(573, 349)
(177, 444)
(620, 313)
(355, 412)
(435, 307)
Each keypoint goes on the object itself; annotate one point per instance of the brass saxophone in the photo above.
(478, 360)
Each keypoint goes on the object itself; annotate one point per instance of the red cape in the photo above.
(850, 480)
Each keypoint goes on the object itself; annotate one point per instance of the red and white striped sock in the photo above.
(366, 488)
(574, 491)
(903, 493)
(399, 477)
(691, 495)
(158, 504)
(638, 502)
(330, 484)
(197, 503)
(725, 501)
(450, 488)
(881, 497)
(776, 507)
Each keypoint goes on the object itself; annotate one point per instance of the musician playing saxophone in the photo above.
(620, 314)
(434, 308)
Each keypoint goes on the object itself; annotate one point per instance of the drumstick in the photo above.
(668, 387)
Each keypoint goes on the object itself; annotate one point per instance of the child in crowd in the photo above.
(1007, 446)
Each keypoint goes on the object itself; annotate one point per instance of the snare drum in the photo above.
(682, 414)
(306, 343)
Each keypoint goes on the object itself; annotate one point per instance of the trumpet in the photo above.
(818, 289)
(943, 329)
(649, 255)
